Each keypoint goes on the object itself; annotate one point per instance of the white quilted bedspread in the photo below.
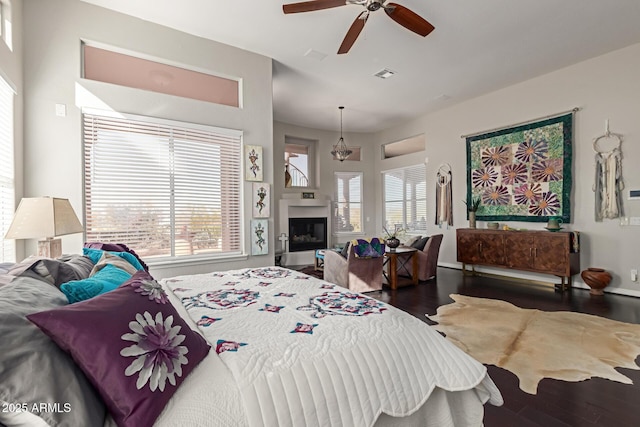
(308, 353)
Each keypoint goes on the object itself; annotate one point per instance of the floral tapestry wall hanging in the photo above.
(522, 173)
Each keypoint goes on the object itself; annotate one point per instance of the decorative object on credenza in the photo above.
(308, 195)
(608, 184)
(493, 225)
(597, 279)
(340, 150)
(402, 15)
(261, 200)
(472, 207)
(253, 163)
(444, 205)
(522, 173)
(554, 224)
(47, 217)
(259, 236)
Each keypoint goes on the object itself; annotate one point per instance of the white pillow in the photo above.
(411, 240)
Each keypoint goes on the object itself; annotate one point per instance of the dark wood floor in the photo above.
(595, 402)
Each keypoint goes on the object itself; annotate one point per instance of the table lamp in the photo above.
(48, 217)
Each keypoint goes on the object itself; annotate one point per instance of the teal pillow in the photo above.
(105, 280)
(96, 254)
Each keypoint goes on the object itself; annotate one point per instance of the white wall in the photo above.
(11, 70)
(326, 167)
(53, 30)
(606, 87)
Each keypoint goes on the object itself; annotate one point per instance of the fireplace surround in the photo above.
(292, 205)
(307, 234)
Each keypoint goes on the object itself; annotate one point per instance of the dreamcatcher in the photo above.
(444, 205)
(608, 183)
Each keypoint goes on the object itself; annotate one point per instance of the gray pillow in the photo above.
(54, 271)
(420, 244)
(33, 369)
(345, 250)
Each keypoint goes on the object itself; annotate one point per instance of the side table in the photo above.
(398, 259)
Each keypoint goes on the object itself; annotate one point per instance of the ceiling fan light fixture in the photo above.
(400, 14)
(340, 150)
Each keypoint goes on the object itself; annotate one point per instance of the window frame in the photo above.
(336, 176)
(174, 258)
(412, 169)
(7, 173)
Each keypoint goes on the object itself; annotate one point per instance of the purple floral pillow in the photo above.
(131, 344)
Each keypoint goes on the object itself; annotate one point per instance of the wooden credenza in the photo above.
(536, 251)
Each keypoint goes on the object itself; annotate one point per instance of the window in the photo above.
(167, 189)
(127, 70)
(348, 202)
(298, 162)
(296, 165)
(405, 199)
(7, 178)
(5, 23)
(415, 144)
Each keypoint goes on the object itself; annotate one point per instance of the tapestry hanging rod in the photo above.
(550, 116)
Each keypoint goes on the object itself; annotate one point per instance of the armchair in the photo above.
(428, 258)
(356, 274)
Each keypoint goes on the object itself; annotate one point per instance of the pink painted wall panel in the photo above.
(124, 70)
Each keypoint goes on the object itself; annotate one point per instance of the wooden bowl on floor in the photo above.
(597, 279)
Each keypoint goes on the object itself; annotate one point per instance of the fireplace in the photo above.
(306, 234)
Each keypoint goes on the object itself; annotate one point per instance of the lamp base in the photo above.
(50, 248)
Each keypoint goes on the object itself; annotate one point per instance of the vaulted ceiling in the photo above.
(478, 46)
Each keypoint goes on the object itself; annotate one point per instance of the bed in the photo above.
(251, 347)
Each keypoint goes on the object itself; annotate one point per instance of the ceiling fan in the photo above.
(403, 16)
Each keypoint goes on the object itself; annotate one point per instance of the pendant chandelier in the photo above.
(340, 150)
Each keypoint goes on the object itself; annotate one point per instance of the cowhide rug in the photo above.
(536, 344)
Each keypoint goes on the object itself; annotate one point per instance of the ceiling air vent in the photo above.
(385, 73)
(314, 54)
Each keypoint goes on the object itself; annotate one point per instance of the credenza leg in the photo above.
(564, 284)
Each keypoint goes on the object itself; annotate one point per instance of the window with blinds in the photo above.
(405, 199)
(166, 189)
(7, 174)
(348, 202)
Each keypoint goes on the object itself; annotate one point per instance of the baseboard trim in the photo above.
(513, 274)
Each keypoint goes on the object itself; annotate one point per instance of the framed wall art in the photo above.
(253, 163)
(259, 236)
(522, 173)
(261, 200)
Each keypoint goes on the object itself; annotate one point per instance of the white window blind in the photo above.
(405, 199)
(348, 202)
(7, 174)
(166, 189)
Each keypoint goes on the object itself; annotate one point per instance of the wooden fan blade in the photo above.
(310, 6)
(353, 33)
(408, 19)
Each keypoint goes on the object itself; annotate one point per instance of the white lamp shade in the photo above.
(38, 217)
